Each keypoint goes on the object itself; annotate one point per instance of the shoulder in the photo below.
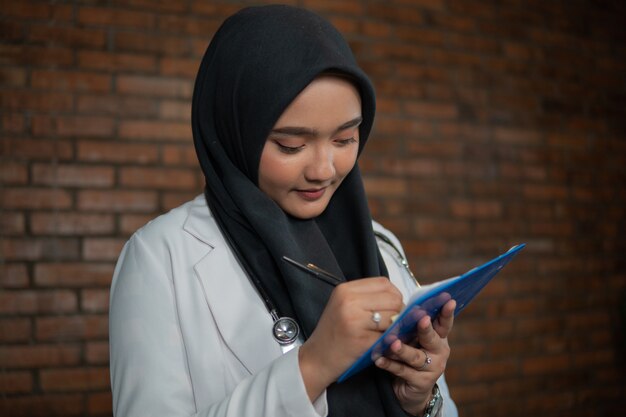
(172, 223)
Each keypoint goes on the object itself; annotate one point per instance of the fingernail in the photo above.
(380, 362)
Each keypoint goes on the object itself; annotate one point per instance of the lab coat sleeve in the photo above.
(149, 367)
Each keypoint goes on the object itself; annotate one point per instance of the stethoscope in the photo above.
(286, 330)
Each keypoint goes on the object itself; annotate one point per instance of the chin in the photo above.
(306, 213)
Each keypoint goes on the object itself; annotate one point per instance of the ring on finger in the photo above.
(376, 317)
(427, 361)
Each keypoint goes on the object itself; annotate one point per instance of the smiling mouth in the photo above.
(311, 195)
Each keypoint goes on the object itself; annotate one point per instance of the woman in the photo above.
(280, 113)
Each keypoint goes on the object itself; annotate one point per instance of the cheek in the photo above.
(345, 161)
(274, 172)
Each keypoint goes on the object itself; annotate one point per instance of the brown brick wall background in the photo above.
(499, 122)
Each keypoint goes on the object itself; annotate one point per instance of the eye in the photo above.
(289, 149)
(345, 142)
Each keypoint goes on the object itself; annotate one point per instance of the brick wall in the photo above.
(499, 122)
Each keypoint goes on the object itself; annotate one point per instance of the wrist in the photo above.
(434, 404)
(313, 376)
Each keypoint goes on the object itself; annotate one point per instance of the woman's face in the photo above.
(312, 147)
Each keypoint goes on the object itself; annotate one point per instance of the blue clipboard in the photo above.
(428, 300)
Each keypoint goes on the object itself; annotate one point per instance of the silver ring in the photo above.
(376, 317)
(427, 361)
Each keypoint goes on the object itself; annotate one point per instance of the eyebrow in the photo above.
(306, 131)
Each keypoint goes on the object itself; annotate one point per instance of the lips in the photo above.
(311, 194)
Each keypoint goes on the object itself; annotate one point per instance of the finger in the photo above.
(426, 335)
(414, 357)
(445, 320)
(368, 285)
(379, 320)
(419, 380)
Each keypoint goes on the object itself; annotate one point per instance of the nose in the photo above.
(321, 166)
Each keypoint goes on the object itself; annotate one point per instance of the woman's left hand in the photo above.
(415, 378)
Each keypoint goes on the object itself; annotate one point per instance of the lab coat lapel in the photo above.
(240, 314)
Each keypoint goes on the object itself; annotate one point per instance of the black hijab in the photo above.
(259, 60)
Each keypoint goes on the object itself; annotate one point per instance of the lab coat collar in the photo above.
(240, 315)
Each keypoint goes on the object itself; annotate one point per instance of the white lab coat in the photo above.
(190, 336)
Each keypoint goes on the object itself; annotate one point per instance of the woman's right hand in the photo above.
(346, 330)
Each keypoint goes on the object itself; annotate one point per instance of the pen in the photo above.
(315, 271)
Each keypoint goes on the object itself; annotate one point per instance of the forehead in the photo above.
(328, 101)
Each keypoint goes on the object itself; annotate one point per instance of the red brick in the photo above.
(94, 300)
(38, 405)
(171, 23)
(31, 302)
(155, 130)
(13, 77)
(13, 275)
(175, 110)
(86, 126)
(117, 106)
(154, 86)
(35, 356)
(118, 201)
(431, 110)
(27, 249)
(114, 62)
(36, 101)
(376, 30)
(72, 175)
(12, 123)
(12, 224)
(440, 227)
(179, 67)
(488, 370)
(100, 403)
(74, 379)
(173, 199)
(160, 178)
(84, 327)
(101, 16)
(104, 151)
(14, 330)
(396, 126)
(38, 11)
(346, 25)
(427, 167)
(35, 198)
(545, 192)
(397, 15)
(70, 36)
(153, 5)
(16, 382)
(97, 353)
(102, 249)
(212, 9)
(89, 82)
(129, 223)
(13, 173)
(475, 209)
(180, 155)
(513, 136)
(67, 223)
(36, 55)
(153, 43)
(385, 187)
(545, 365)
(37, 149)
(421, 36)
(349, 7)
(64, 274)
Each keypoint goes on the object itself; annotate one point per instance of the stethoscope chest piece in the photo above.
(285, 330)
